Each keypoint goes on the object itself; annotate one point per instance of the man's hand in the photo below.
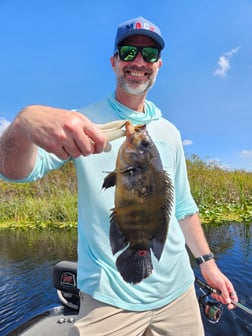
(61, 132)
(198, 245)
(215, 278)
(58, 131)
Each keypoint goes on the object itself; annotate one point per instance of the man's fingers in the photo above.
(92, 142)
(82, 136)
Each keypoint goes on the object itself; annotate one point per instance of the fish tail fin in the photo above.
(134, 265)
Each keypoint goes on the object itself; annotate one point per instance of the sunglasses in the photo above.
(129, 53)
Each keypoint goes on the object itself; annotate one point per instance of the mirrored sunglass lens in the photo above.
(150, 54)
(127, 53)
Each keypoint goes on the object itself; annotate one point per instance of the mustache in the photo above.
(136, 68)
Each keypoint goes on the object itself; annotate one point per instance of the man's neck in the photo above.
(134, 102)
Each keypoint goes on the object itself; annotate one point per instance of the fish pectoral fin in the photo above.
(134, 265)
(118, 241)
(109, 181)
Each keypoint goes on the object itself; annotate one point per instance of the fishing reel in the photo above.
(211, 308)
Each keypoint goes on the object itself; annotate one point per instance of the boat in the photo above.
(57, 320)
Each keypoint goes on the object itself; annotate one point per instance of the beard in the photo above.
(134, 87)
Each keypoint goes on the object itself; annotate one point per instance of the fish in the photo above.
(143, 202)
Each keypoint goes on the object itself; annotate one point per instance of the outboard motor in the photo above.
(65, 281)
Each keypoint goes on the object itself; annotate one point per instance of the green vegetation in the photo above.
(222, 196)
(52, 201)
(47, 203)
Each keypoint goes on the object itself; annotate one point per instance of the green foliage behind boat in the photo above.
(51, 202)
(222, 195)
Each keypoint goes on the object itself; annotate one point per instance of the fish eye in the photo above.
(134, 170)
(130, 171)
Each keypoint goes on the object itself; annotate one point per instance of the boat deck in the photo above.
(55, 322)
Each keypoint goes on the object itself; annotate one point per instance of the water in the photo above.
(27, 259)
(26, 263)
(232, 245)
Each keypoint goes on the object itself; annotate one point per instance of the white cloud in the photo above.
(3, 124)
(246, 153)
(224, 63)
(187, 142)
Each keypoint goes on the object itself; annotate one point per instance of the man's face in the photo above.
(137, 76)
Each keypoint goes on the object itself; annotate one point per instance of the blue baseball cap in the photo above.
(139, 26)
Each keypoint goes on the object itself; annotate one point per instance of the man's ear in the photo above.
(112, 61)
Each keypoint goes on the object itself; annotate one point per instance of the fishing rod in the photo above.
(210, 290)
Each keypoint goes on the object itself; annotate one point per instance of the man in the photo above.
(42, 138)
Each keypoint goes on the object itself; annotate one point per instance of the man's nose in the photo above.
(139, 58)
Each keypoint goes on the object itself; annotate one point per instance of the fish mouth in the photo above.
(132, 130)
(136, 137)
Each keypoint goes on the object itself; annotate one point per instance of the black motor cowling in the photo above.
(65, 281)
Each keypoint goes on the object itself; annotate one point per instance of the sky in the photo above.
(57, 53)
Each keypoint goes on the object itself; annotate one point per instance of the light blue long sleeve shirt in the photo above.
(97, 273)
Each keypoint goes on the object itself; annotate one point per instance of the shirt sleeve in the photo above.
(185, 204)
(45, 162)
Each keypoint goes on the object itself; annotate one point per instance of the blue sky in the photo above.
(57, 53)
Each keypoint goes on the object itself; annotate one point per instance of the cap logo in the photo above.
(139, 25)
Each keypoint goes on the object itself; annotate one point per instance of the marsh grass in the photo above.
(52, 201)
(48, 203)
(221, 195)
